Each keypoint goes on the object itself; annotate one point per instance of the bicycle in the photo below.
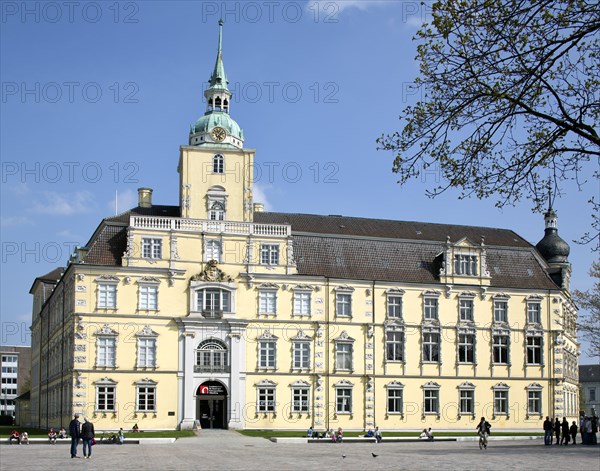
(483, 440)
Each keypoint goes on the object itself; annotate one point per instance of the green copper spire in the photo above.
(218, 79)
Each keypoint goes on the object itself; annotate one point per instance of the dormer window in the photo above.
(465, 265)
(218, 164)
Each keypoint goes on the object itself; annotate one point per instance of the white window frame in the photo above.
(106, 390)
(398, 396)
(148, 297)
(266, 398)
(534, 312)
(465, 265)
(300, 399)
(501, 398)
(466, 396)
(343, 400)
(429, 342)
(431, 400)
(267, 301)
(216, 352)
(343, 304)
(500, 347)
(466, 309)
(533, 348)
(151, 248)
(463, 347)
(150, 391)
(431, 308)
(302, 303)
(534, 397)
(224, 301)
(105, 345)
(146, 352)
(343, 354)
(301, 351)
(218, 164)
(107, 296)
(395, 345)
(394, 306)
(501, 310)
(267, 354)
(216, 211)
(269, 254)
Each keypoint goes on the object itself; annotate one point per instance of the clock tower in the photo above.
(215, 169)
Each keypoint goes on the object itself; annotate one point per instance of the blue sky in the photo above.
(97, 97)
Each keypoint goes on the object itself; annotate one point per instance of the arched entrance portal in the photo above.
(211, 409)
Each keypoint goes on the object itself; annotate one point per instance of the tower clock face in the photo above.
(218, 134)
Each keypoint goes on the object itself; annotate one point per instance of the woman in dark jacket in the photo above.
(565, 432)
(87, 435)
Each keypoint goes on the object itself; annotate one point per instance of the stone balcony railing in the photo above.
(209, 227)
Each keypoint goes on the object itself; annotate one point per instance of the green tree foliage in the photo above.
(589, 323)
(510, 100)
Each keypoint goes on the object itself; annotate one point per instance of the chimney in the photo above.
(258, 207)
(145, 197)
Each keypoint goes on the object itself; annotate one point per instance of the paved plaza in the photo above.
(226, 450)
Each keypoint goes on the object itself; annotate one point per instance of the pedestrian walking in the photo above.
(87, 435)
(75, 432)
(573, 431)
(565, 432)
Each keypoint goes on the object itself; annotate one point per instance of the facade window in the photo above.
(266, 399)
(300, 400)
(467, 402)
(394, 346)
(302, 303)
(534, 402)
(107, 296)
(431, 404)
(269, 254)
(592, 394)
(105, 354)
(534, 350)
(343, 304)
(500, 311)
(218, 164)
(146, 352)
(395, 401)
(534, 315)
(431, 347)
(500, 349)
(267, 302)
(148, 297)
(466, 348)
(9, 358)
(105, 398)
(501, 402)
(301, 353)
(213, 251)
(343, 400)
(394, 305)
(216, 211)
(214, 300)
(465, 265)
(151, 248)
(343, 356)
(431, 308)
(146, 398)
(466, 309)
(267, 354)
(211, 356)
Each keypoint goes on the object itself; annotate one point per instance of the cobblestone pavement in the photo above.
(227, 450)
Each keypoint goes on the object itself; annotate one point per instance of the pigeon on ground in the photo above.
(343, 456)
(374, 455)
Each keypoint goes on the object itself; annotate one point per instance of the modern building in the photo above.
(15, 368)
(216, 313)
(589, 384)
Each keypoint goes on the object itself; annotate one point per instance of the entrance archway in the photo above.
(211, 408)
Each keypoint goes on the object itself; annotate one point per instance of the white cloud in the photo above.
(259, 196)
(126, 200)
(14, 221)
(54, 203)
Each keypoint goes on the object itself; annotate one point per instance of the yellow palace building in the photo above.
(217, 314)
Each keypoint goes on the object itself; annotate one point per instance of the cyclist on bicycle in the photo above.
(483, 429)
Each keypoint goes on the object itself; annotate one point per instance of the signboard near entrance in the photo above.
(211, 388)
